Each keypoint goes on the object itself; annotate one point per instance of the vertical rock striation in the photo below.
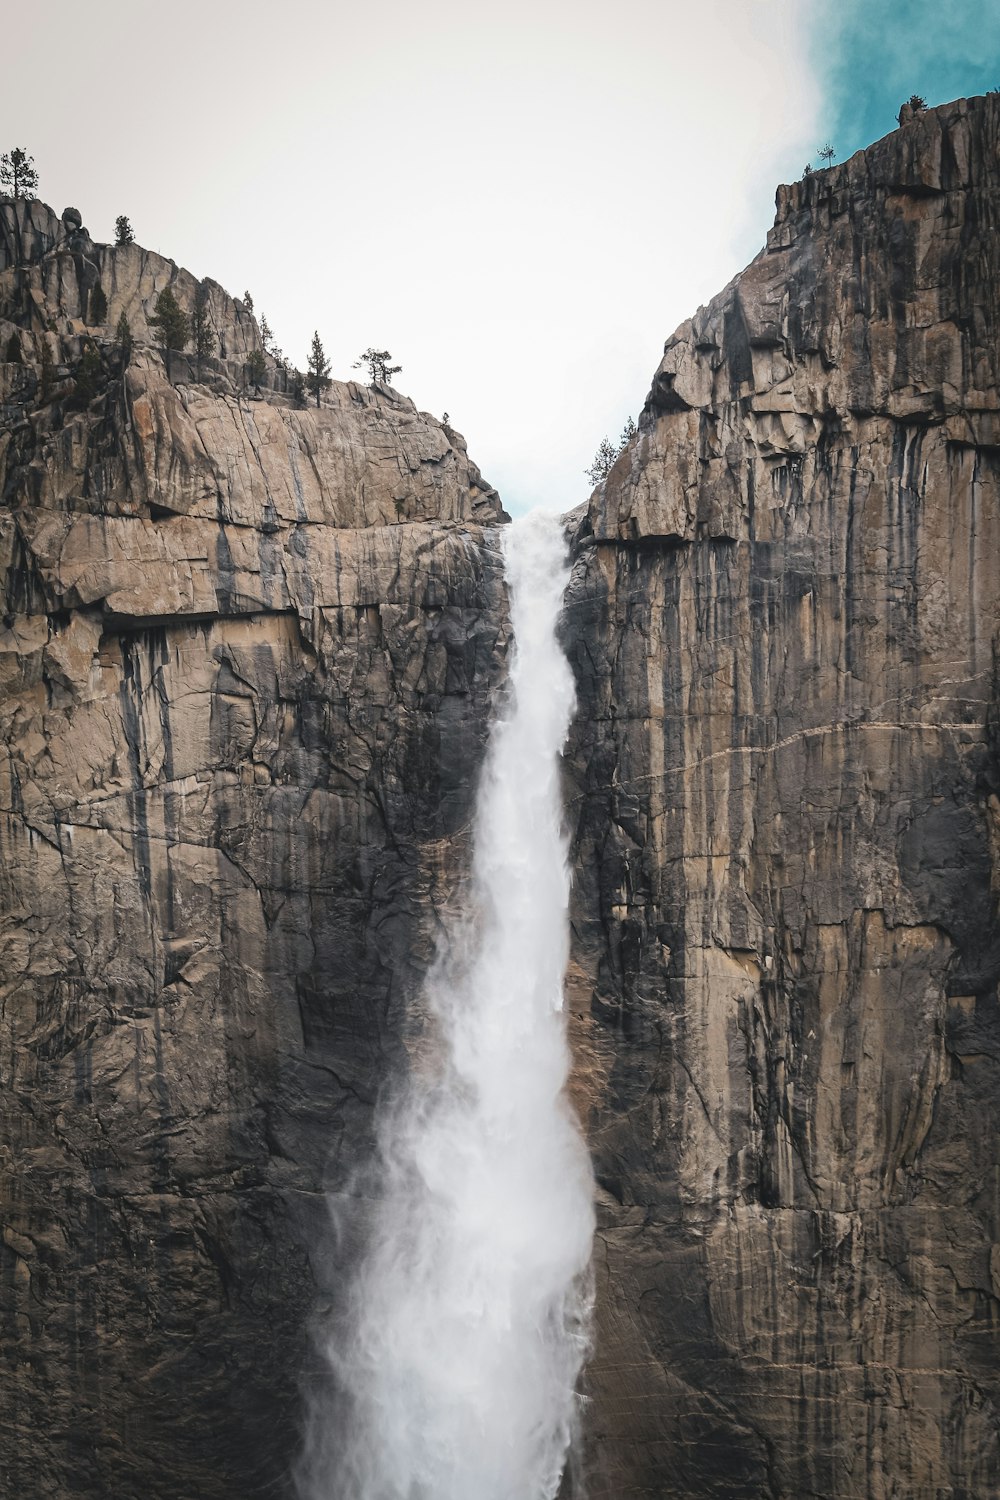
(246, 658)
(784, 781)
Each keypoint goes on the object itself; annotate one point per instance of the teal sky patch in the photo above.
(870, 55)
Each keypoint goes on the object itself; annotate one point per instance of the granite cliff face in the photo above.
(784, 781)
(247, 659)
(246, 663)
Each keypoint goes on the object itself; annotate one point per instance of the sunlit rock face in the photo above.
(783, 780)
(246, 660)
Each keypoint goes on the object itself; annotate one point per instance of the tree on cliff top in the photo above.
(170, 322)
(318, 370)
(123, 231)
(376, 362)
(604, 460)
(270, 346)
(826, 154)
(17, 172)
(607, 454)
(915, 105)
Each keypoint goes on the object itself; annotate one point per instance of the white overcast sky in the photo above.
(519, 200)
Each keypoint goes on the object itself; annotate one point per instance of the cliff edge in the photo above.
(247, 650)
(785, 619)
(247, 655)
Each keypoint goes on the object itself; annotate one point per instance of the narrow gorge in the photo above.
(456, 1353)
(250, 658)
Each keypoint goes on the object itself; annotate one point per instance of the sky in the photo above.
(520, 201)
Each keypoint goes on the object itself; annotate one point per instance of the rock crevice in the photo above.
(248, 652)
(784, 618)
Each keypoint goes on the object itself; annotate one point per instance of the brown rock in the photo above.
(784, 619)
(246, 662)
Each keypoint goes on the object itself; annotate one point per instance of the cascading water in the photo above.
(469, 1318)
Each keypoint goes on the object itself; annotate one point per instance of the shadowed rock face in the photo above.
(783, 781)
(246, 665)
(246, 668)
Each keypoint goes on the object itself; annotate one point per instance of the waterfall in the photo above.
(469, 1317)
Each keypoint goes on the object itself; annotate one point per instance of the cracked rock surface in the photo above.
(784, 787)
(247, 657)
(246, 664)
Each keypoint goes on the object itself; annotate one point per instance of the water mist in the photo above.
(469, 1317)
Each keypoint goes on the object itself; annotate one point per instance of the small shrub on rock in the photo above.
(170, 322)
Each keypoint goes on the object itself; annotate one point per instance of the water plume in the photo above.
(469, 1317)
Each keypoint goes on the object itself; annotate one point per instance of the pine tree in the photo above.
(628, 433)
(826, 154)
(256, 368)
(297, 388)
(318, 376)
(170, 322)
(98, 307)
(266, 336)
(248, 302)
(201, 328)
(123, 231)
(17, 172)
(604, 460)
(376, 362)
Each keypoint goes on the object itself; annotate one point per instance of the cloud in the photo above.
(520, 202)
(870, 57)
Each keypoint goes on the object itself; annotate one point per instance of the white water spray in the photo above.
(469, 1318)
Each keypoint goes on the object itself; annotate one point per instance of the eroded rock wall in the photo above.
(784, 784)
(246, 662)
(50, 268)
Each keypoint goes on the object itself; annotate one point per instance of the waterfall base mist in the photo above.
(467, 1326)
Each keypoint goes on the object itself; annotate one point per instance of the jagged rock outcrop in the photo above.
(246, 660)
(50, 267)
(784, 782)
(246, 663)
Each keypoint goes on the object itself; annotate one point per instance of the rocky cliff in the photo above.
(784, 783)
(247, 659)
